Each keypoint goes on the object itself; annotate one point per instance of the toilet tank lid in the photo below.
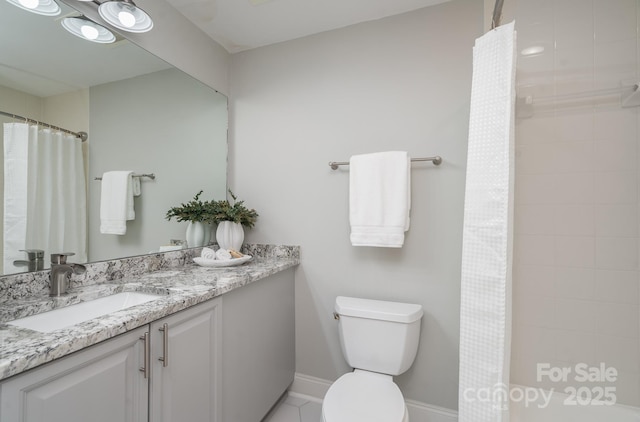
(378, 309)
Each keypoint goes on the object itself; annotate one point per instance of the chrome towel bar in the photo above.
(437, 160)
(151, 176)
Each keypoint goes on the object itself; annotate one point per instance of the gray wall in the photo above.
(165, 123)
(397, 83)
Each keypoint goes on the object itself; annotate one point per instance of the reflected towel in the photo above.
(379, 198)
(116, 202)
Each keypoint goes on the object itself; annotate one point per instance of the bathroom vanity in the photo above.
(216, 345)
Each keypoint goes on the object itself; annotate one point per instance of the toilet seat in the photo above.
(362, 396)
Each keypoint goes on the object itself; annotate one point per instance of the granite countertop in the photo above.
(178, 287)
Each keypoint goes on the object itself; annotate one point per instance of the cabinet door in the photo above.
(100, 384)
(258, 345)
(184, 371)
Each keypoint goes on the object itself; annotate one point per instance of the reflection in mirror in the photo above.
(140, 113)
(44, 195)
(160, 123)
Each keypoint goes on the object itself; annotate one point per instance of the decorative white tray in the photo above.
(203, 262)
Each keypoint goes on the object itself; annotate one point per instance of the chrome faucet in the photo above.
(34, 262)
(61, 273)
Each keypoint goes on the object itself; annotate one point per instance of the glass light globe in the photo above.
(40, 7)
(126, 18)
(125, 15)
(30, 4)
(82, 27)
(89, 32)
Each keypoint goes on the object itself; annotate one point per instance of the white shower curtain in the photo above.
(16, 147)
(46, 197)
(485, 308)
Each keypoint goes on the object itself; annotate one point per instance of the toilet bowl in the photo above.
(380, 340)
(364, 396)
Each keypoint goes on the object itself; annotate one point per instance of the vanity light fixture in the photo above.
(125, 15)
(87, 29)
(41, 7)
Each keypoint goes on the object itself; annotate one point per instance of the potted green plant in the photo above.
(231, 219)
(198, 214)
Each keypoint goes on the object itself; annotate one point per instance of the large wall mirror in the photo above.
(140, 113)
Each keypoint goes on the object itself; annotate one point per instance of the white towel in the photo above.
(208, 253)
(116, 202)
(379, 198)
(135, 186)
(223, 255)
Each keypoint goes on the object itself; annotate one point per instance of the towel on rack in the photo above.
(379, 198)
(135, 187)
(116, 201)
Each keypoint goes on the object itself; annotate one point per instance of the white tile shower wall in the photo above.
(576, 281)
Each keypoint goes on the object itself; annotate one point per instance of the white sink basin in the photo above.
(75, 314)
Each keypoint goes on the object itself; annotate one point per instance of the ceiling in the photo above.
(56, 62)
(240, 25)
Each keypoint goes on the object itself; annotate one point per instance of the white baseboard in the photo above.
(423, 412)
(315, 389)
(307, 385)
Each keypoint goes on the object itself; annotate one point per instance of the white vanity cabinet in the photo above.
(99, 384)
(106, 382)
(258, 347)
(228, 359)
(185, 365)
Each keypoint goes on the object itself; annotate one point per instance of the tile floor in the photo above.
(296, 408)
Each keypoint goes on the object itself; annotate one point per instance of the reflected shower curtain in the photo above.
(16, 147)
(485, 308)
(48, 195)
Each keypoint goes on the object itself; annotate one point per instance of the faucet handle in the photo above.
(60, 258)
(78, 268)
(33, 254)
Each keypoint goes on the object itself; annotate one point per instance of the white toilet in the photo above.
(380, 340)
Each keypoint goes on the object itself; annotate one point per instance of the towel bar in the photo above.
(151, 176)
(437, 160)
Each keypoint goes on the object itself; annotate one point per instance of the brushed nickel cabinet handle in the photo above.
(146, 367)
(165, 345)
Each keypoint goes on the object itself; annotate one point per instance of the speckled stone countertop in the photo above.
(173, 275)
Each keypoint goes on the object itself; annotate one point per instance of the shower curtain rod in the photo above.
(82, 135)
(497, 14)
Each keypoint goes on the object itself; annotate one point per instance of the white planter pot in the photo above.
(230, 235)
(198, 234)
(207, 233)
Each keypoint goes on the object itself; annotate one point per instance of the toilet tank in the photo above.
(378, 336)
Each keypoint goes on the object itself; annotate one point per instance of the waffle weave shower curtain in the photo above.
(485, 308)
(45, 205)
